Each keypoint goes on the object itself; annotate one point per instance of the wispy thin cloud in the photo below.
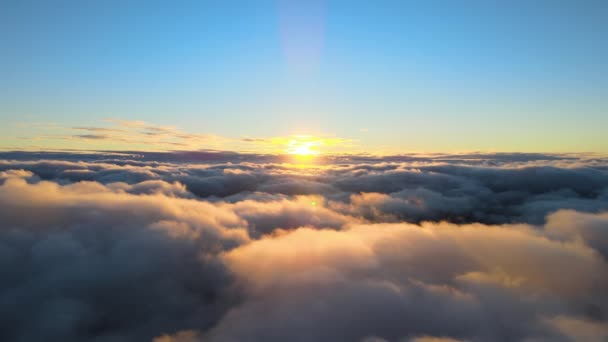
(140, 135)
(98, 129)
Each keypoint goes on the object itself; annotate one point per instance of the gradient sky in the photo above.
(386, 76)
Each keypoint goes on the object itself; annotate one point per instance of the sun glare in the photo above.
(303, 146)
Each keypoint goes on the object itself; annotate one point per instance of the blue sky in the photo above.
(389, 76)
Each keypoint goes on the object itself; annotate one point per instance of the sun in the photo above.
(303, 146)
(303, 149)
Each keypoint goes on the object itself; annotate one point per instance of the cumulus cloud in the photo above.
(84, 261)
(172, 247)
(399, 281)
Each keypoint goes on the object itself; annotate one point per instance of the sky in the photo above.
(386, 77)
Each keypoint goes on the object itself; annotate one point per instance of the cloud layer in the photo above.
(228, 247)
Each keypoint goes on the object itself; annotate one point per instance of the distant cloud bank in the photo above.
(210, 246)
